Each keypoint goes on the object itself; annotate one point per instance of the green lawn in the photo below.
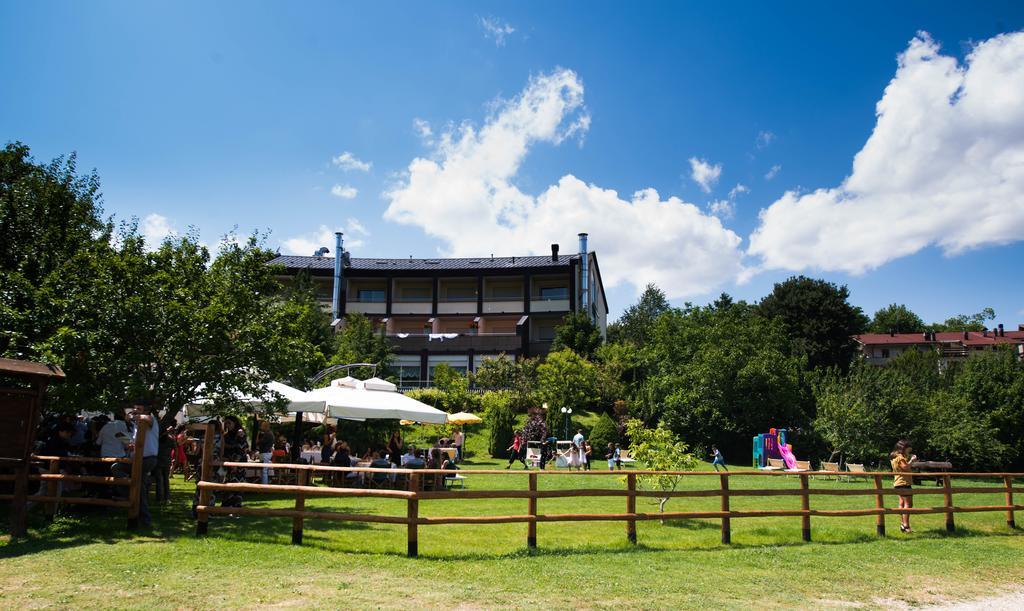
(87, 558)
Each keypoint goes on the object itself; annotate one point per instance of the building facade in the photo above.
(458, 311)
(879, 348)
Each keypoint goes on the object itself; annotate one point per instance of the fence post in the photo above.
(1008, 480)
(51, 489)
(413, 516)
(205, 475)
(631, 507)
(879, 504)
(300, 504)
(135, 490)
(531, 529)
(726, 522)
(805, 505)
(950, 526)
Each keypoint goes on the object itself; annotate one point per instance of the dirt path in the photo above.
(1006, 602)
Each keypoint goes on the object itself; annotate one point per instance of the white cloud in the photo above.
(464, 195)
(156, 227)
(354, 226)
(739, 189)
(309, 243)
(704, 173)
(772, 172)
(344, 191)
(944, 166)
(493, 28)
(423, 129)
(723, 208)
(764, 138)
(348, 162)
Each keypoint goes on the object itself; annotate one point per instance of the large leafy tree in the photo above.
(359, 342)
(48, 215)
(636, 323)
(723, 374)
(966, 322)
(300, 321)
(565, 379)
(819, 319)
(897, 318)
(518, 376)
(579, 334)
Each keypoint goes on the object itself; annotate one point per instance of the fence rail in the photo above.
(414, 492)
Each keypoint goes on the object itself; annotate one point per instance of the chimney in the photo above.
(967, 335)
(892, 332)
(336, 301)
(984, 332)
(554, 252)
(584, 275)
(1002, 333)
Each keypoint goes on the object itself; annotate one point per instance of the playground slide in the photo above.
(787, 456)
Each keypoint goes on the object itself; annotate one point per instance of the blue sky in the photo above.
(224, 115)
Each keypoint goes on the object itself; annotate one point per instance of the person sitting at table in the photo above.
(449, 465)
(410, 454)
(434, 458)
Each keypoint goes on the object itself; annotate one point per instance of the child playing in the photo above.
(717, 459)
(902, 461)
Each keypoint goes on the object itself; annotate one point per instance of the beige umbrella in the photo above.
(464, 418)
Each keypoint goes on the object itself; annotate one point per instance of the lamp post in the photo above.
(567, 414)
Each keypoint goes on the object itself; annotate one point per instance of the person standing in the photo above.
(141, 412)
(113, 438)
(459, 438)
(395, 449)
(577, 439)
(517, 450)
(903, 459)
(588, 451)
(162, 471)
(265, 446)
(717, 459)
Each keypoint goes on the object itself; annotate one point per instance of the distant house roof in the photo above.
(295, 262)
(968, 338)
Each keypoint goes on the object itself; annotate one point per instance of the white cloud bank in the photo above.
(464, 196)
(944, 166)
(156, 227)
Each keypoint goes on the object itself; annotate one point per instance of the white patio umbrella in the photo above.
(296, 401)
(374, 399)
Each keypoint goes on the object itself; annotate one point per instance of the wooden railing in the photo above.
(53, 477)
(414, 493)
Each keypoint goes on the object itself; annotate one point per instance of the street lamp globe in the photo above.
(564, 410)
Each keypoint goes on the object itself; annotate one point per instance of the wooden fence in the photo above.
(414, 492)
(53, 476)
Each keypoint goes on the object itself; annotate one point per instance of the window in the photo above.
(885, 353)
(409, 375)
(554, 292)
(546, 331)
(370, 295)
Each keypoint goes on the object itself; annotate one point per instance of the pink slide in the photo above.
(787, 456)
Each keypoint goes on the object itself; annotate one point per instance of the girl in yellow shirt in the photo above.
(902, 459)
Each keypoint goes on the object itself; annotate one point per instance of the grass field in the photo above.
(87, 559)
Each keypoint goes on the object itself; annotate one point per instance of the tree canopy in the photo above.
(819, 319)
(896, 318)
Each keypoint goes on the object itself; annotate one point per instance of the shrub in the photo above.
(603, 433)
(499, 417)
(535, 428)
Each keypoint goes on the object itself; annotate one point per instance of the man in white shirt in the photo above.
(113, 438)
(577, 439)
(141, 412)
(410, 454)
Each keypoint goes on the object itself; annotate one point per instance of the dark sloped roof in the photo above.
(467, 263)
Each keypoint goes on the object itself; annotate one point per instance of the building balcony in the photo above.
(412, 307)
(540, 304)
(365, 307)
(457, 306)
(502, 305)
(456, 342)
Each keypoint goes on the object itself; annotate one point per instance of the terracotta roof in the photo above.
(464, 263)
(29, 369)
(974, 338)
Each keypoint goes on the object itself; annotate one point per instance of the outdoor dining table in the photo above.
(449, 451)
(311, 456)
